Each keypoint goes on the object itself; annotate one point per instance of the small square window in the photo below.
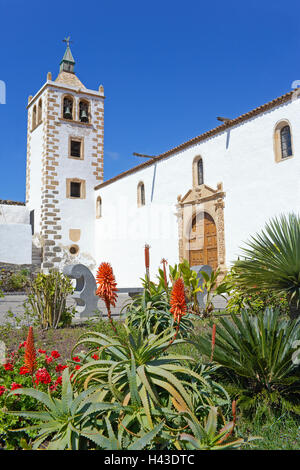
(76, 148)
(75, 189)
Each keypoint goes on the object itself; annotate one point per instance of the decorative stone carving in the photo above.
(85, 289)
(197, 200)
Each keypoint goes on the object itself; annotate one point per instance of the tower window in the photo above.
(68, 108)
(98, 207)
(75, 148)
(141, 194)
(40, 111)
(75, 188)
(84, 111)
(34, 117)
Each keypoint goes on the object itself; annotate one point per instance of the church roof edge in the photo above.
(205, 135)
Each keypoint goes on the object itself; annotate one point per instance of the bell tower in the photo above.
(64, 163)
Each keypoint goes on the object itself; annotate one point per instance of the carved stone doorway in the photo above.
(201, 227)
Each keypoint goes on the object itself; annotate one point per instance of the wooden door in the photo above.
(203, 241)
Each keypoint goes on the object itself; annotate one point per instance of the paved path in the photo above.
(14, 303)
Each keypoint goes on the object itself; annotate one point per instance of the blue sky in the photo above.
(168, 68)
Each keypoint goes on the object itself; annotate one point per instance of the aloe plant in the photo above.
(138, 372)
(206, 436)
(65, 423)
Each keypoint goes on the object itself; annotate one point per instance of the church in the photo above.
(199, 201)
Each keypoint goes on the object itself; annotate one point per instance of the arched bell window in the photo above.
(198, 175)
(141, 194)
(83, 111)
(283, 145)
(68, 108)
(40, 111)
(34, 117)
(98, 207)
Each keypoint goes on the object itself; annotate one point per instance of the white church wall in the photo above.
(15, 243)
(242, 158)
(13, 214)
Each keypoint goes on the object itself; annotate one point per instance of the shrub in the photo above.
(47, 297)
(240, 298)
(14, 281)
(15, 375)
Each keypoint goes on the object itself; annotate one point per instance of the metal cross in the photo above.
(67, 41)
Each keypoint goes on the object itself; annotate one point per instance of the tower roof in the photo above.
(68, 62)
(66, 70)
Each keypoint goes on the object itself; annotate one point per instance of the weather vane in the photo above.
(67, 41)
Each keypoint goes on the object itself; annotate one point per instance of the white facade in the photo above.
(241, 158)
(246, 182)
(15, 243)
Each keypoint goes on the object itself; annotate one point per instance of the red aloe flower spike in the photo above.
(147, 261)
(30, 354)
(213, 341)
(234, 412)
(164, 262)
(107, 288)
(178, 304)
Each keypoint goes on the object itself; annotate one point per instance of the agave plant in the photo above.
(65, 423)
(261, 351)
(140, 372)
(206, 436)
(272, 260)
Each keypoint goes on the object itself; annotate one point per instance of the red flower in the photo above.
(55, 354)
(95, 356)
(107, 286)
(177, 301)
(2, 390)
(147, 256)
(22, 345)
(42, 376)
(15, 386)
(76, 359)
(77, 367)
(23, 370)
(41, 351)
(8, 366)
(48, 359)
(60, 368)
(58, 380)
(234, 411)
(213, 341)
(30, 354)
